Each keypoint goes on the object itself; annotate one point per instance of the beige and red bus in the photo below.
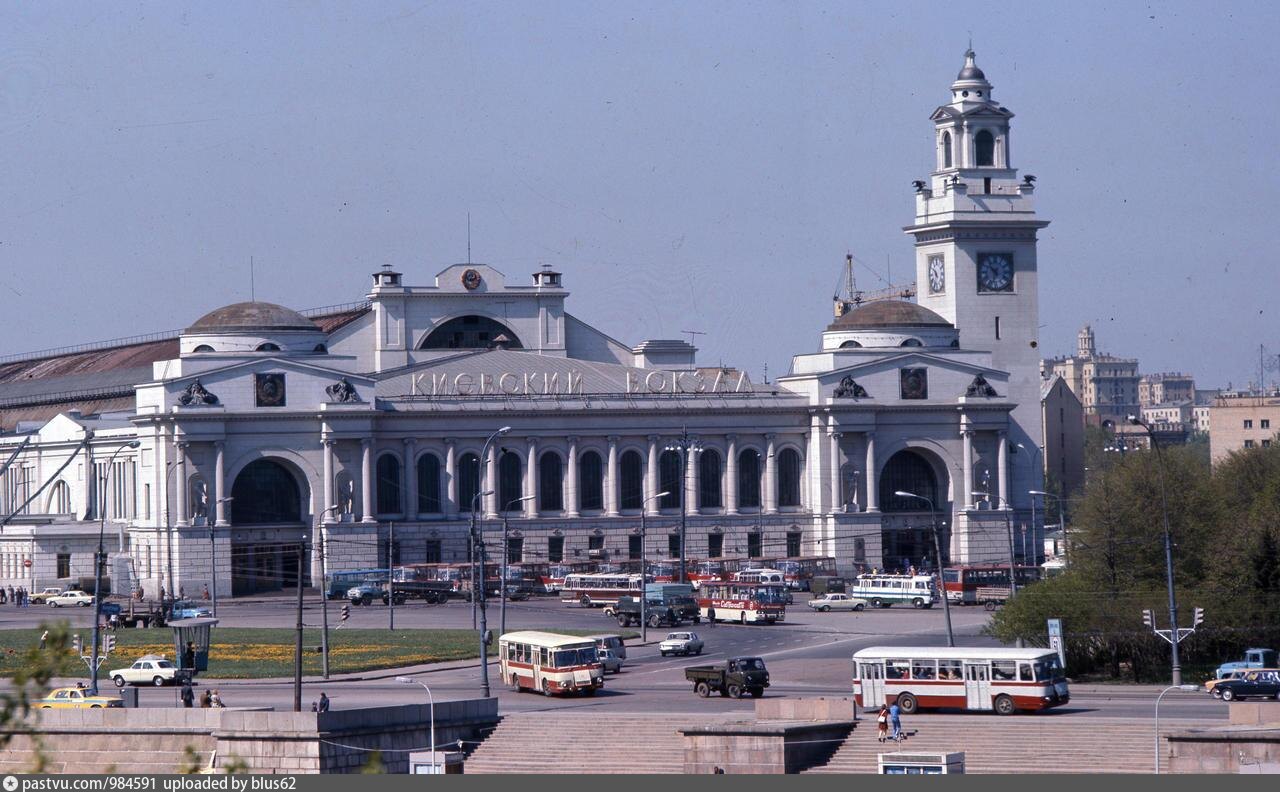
(600, 589)
(744, 603)
(973, 678)
(550, 663)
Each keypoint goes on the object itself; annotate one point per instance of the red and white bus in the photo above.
(744, 603)
(765, 575)
(556, 572)
(596, 589)
(711, 570)
(458, 576)
(550, 662)
(972, 678)
(962, 583)
(664, 571)
(799, 571)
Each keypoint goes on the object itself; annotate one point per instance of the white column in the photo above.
(837, 499)
(91, 488)
(652, 481)
(691, 480)
(531, 480)
(611, 479)
(410, 478)
(770, 476)
(328, 480)
(1002, 465)
(366, 480)
(180, 481)
(966, 461)
(731, 475)
(491, 483)
(220, 482)
(571, 480)
(450, 477)
(873, 475)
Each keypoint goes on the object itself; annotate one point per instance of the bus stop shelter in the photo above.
(191, 638)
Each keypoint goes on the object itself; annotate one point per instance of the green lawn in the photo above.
(249, 653)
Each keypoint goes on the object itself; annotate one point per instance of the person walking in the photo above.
(188, 695)
(44, 640)
(189, 656)
(11, 597)
(882, 724)
(711, 616)
(894, 721)
(324, 703)
(3, 597)
(206, 700)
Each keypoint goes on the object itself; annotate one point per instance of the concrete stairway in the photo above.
(597, 742)
(1017, 744)
(102, 753)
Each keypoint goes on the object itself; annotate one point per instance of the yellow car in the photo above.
(75, 698)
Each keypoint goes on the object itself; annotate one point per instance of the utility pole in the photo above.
(391, 575)
(297, 647)
(684, 446)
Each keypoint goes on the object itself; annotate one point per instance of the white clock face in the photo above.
(995, 272)
(937, 274)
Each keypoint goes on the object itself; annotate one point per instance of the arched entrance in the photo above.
(471, 332)
(906, 539)
(267, 499)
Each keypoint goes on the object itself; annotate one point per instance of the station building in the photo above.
(258, 444)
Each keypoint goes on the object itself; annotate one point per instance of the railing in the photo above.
(65, 396)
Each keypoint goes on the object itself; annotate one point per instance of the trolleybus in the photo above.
(595, 589)
(972, 678)
(745, 603)
(549, 662)
(884, 590)
(799, 571)
(961, 583)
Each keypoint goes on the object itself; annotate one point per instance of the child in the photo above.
(882, 724)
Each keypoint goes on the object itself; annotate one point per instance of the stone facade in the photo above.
(1239, 422)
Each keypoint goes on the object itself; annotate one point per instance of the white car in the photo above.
(147, 670)
(681, 643)
(830, 602)
(81, 598)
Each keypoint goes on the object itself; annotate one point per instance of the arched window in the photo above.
(509, 482)
(429, 501)
(197, 497)
(389, 486)
(709, 479)
(470, 332)
(631, 481)
(851, 344)
(268, 347)
(749, 479)
(550, 482)
(590, 482)
(468, 481)
(946, 149)
(669, 480)
(911, 342)
(789, 477)
(907, 471)
(60, 499)
(203, 348)
(265, 492)
(984, 148)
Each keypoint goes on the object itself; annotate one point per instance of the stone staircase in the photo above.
(596, 742)
(107, 753)
(1016, 744)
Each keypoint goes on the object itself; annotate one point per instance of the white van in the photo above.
(610, 641)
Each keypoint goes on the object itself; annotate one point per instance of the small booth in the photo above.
(191, 639)
(912, 763)
(441, 763)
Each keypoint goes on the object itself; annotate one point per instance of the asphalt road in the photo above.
(807, 655)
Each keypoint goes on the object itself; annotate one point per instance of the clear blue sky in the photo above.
(687, 165)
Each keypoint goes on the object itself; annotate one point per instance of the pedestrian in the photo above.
(206, 700)
(162, 594)
(216, 701)
(711, 616)
(10, 597)
(894, 712)
(182, 592)
(324, 703)
(44, 639)
(882, 724)
(188, 695)
(113, 622)
(22, 597)
(314, 708)
(3, 598)
(205, 593)
(189, 656)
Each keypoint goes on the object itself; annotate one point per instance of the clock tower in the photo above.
(975, 238)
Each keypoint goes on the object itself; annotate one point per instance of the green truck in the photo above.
(738, 676)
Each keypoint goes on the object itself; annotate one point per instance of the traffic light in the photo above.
(488, 637)
(76, 645)
(1199, 618)
(346, 612)
(1149, 618)
(109, 644)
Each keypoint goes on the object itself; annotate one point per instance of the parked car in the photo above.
(146, 670)
(75, 698)
(1255, 683)
(681, 643)
(70, 598)
(45, 593)
(188, 609)
(364, 594)
(610, 660)
(830, 602)
(738, 675)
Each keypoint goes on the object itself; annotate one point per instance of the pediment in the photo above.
(915, 359)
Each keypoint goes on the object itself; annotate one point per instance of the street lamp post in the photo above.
(324, 594)
(1062, 526)
(1183, 688)
(410, 681)
(683, 445)
(937, 550)
(502, 584)
(644, 559)
(97, 567)
(1168, 554)
(477, 580)
(1035, 464)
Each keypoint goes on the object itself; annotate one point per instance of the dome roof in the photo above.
(247, 316)
(888, 313)
(970, 71)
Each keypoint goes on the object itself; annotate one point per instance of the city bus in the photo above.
(549, 663)
(745, 603)
(961, 583)
(595, 589)
(884, 590)
(772, 577)
(339, 583)
(799, 571)
(664, 571)
(553, 579)
(971, 678)
(711, 570)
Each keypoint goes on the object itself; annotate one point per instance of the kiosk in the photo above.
(191, 645)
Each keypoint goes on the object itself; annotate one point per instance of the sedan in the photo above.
(1254, 684)
(75, 698)
(147, 670)
(186, 609)
(68, 598)
(830, 602)
(681, 643)
(610, 660)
